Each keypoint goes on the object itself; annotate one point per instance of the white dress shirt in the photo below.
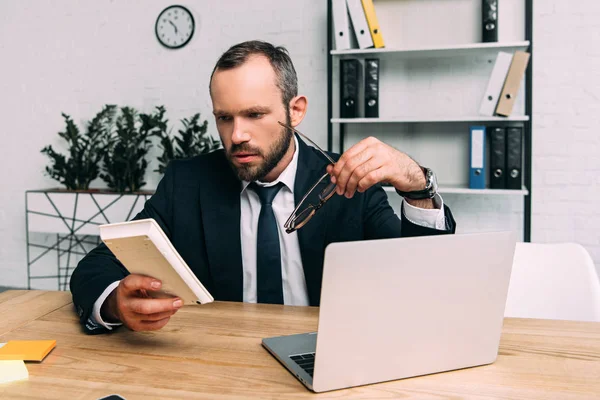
(292, 272)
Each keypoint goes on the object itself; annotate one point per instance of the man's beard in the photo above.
(251, 173)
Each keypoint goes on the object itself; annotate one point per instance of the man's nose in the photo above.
(240, 134)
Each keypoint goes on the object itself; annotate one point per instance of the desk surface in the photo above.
(214, 352)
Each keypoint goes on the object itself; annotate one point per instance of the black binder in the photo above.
(489, 20)
(350, 74)
(372, 88)
(514, 157)
(497, 158)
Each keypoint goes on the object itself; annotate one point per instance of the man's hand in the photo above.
(130, 304)
(371, 161)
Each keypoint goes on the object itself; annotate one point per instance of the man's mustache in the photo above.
(244, 148)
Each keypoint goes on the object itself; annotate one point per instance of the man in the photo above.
(224, 212)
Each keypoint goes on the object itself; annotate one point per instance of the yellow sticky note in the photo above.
(11, 371)
(26, 350)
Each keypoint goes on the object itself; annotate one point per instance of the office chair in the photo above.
(553, 281)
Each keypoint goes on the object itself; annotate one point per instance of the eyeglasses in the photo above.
(304, 212)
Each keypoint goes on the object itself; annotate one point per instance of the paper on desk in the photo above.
(14, 370)
(26, 350)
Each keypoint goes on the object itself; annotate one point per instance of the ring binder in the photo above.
(497, 158)
(477, 158)
(514, 155)
(372, 88)
(489, 20)
(350, 70)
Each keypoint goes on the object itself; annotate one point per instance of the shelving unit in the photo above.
(446, 58)
(437, 51)
(413, 120)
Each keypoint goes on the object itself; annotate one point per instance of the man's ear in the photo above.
(297, 109)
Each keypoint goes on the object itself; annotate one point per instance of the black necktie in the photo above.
(268, 253)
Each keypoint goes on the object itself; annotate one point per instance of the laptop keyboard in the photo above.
(305, 361)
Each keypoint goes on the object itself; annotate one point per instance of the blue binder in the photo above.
(477, 159)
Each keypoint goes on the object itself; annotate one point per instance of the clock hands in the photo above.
(174, 26)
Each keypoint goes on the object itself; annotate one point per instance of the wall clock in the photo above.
(174, 27)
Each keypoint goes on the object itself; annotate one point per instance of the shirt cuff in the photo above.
(429, 218)
(96, 317)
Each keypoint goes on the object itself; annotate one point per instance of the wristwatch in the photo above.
(430, 187)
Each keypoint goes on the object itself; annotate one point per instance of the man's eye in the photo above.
(255, 115)
(223, 118)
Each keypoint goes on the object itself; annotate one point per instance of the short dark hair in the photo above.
(287, 80)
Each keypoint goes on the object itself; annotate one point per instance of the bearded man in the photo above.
(252, 220)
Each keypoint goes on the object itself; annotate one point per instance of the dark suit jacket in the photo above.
(197, 204)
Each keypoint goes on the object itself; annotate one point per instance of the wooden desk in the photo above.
(214, 352)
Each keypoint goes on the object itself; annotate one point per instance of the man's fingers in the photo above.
(155, 325)
(351, 165)
(156, 316)
(135, 282)
(359, 173)
(350, 154)
(373, 177)
(149, 325)
(153, 306)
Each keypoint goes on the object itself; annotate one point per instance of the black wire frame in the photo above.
(528, 131)
(77, 244)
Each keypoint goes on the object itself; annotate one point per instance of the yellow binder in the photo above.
(369, 9)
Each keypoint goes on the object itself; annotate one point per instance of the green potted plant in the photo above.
(81, 165)
(124, 161)
(114, 148)
(64, 221)
(191, 141)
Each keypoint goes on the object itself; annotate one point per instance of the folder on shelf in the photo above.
(373, 23)
(497, 138)
(495, 84)
(341, 24)
(372, 88)
(359, 23)
(489, 31)
(514, 157)
(512, 83)
(350, 78)
(477, 158)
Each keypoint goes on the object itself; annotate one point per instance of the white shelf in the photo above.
(408, 120)
(464, 190)
(438, 51)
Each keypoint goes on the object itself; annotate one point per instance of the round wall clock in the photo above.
(174, 27)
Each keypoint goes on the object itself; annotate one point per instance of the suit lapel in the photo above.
(220, 200)
(311, 237)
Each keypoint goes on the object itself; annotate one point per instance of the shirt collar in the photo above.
(287, 177)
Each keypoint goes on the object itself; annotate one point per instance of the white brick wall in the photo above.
(566, 135)
(74, 57)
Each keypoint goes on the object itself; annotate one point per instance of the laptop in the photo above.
(399, 308)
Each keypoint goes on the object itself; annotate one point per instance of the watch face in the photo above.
(432, 184)
(175, 27)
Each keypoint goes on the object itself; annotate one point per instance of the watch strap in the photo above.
(427, 193)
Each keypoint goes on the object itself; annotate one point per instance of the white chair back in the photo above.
(553, 281)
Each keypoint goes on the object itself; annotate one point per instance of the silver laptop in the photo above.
(398, 308)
